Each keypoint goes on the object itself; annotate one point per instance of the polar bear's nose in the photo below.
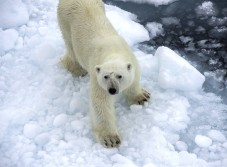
(112, 91)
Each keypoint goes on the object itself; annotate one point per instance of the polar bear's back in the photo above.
(87, 30)
(81, 8)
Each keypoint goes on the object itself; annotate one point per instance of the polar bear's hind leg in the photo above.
(70, 60)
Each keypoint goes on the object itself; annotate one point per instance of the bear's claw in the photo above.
(110, 141)
(144, 96)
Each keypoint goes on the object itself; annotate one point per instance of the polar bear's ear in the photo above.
(129, 66)
(97, 69)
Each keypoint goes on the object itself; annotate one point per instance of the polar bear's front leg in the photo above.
(103, 117)
(135, 94)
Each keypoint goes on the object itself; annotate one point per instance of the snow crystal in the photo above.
(203, 141)
(154, 29)
(8, 39)
(13, 13)
(216, 135)
(176, 73)
(153, 2)
(206, 9)
(123, 23)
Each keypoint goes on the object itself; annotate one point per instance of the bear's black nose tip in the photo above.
(112, 91)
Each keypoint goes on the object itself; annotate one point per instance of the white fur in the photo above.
(94, 46)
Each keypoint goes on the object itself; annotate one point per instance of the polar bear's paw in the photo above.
(142, 97)
(110, 141)
(73, 66)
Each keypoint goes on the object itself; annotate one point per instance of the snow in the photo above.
(44, 118)
(154, 29)
(13, 13)
(123, 22)
(203, 141)
(31, 130)
(8, 39)
(153, 2)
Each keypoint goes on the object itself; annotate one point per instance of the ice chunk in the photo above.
(60, 120)
(214, 21)
(170, 21)
(216, 135)
(123, 22)
(203, 141)
(8, 39)
(153, 2)
(13, 13)
(206, 9)
(42, 139)
(209, 44)
(218, 32)
(154, 29)
(185, 39)
(31, 130)
(176, 73)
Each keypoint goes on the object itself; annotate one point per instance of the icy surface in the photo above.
(153, 2)
(13, 13)
(44, 118)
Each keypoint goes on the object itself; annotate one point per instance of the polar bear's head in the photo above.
(114, 77)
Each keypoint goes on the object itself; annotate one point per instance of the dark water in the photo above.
(208, 47)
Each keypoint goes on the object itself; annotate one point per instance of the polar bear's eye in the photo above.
(106, 77)
(119, 76)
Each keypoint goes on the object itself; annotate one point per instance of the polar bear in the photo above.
(94, 47)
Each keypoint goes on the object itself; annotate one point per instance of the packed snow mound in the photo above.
(124, 23)
(176, 73)
(13, 13)
(153, 2)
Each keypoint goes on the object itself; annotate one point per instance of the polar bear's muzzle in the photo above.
(113, 87)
